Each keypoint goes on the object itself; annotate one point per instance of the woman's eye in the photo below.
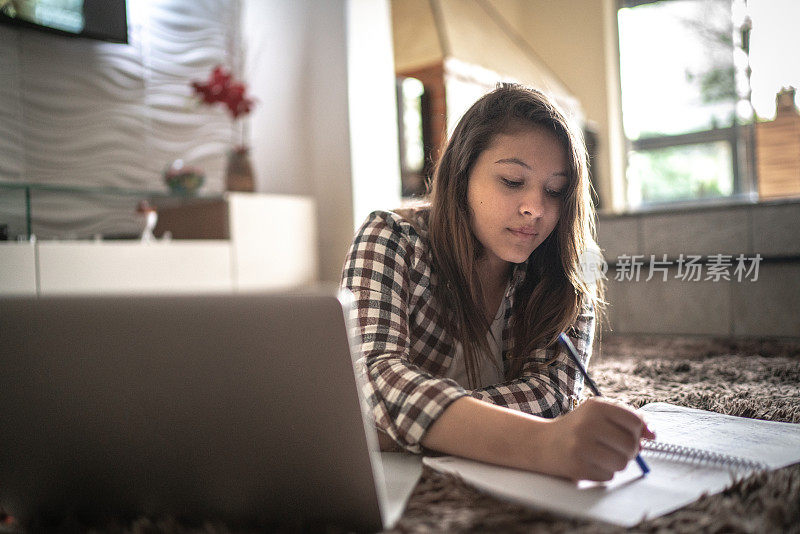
(554, 193)
(511, 183)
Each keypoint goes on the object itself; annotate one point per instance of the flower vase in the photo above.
(239, 173)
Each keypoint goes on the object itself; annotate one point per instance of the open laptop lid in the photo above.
(238, 407)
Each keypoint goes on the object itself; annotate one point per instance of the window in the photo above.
(686, 99)
(413, 136)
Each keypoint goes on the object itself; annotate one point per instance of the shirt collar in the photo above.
(517, 276)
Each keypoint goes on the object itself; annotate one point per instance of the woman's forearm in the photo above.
(479, 430)
(593, 442)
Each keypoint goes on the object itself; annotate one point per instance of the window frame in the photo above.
(740, 136)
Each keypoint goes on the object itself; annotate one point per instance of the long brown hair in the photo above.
(554, 290)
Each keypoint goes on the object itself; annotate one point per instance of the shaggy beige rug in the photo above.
(747, 378)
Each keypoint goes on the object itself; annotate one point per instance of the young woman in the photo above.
(459, 302)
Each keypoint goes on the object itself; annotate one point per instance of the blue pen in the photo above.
(562, 337)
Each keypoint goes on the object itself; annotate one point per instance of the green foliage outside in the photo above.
(703, 170)
(682, 172)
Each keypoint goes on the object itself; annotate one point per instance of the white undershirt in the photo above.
(488, 374)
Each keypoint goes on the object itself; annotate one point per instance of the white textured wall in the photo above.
(373, 108)
(89, 113)
(325, 126)
(323, 71)
(275, 38)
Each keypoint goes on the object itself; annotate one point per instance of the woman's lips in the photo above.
(524, 233)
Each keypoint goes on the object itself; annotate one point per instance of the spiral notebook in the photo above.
(696, 452)
(692, 455)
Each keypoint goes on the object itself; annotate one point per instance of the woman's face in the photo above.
(515, 193)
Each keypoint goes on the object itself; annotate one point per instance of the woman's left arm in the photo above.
(551, 390)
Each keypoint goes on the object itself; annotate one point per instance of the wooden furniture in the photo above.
(273, 238)
(778, 150)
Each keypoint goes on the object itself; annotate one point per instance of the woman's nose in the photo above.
(533, 205)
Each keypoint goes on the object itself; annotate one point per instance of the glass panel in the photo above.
(677, 67)
(71, 212)
(680, 173)
(13, 214)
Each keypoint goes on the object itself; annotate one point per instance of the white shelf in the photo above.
(272, 245)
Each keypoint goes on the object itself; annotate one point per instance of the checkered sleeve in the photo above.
(404, 399)
(552, 390)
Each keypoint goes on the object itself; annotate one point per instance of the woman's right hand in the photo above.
(595, 440)
(590, 443)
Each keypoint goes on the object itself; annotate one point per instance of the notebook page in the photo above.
(630, 497)
(624, 501)
(775, 444)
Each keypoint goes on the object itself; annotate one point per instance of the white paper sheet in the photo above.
(630, 497)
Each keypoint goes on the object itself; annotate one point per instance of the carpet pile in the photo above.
(748, 378)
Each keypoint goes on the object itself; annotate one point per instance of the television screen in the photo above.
(97, 19)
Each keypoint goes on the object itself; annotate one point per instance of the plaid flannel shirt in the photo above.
(405, 352)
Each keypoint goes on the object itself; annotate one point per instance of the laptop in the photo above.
(240, 408)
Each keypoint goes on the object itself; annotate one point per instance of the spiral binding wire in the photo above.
(670, 451)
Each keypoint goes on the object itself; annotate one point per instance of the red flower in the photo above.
(221, 87)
